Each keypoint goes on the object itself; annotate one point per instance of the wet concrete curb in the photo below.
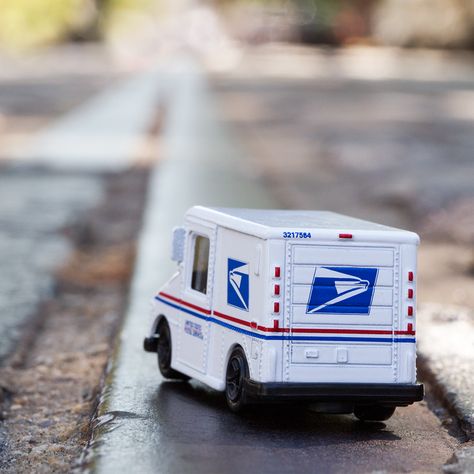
(203, 164)
(462, 461)
(446, 348)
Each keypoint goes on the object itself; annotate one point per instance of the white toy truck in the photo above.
(291, 305)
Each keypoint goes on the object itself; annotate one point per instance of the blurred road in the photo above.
(34, 209)
(49, 179)
(37, 88)
(36, 205)
(376, 133)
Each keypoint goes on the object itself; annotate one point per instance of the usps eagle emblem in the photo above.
(238, 284)
(342, 290)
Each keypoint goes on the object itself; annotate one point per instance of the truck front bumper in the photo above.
(350, 393)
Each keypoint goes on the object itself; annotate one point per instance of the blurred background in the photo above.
(29, 24)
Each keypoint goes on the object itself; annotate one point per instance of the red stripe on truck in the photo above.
(185, 303)
(275, 328)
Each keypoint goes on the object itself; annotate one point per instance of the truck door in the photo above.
(343, 313)
(196, 296)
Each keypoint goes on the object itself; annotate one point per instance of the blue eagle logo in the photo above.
(238, 284)
(346, 290)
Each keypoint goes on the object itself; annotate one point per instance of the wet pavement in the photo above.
(187, 428)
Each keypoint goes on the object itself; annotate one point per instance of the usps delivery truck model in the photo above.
(291, 305)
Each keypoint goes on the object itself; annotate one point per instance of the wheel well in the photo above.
(156, 323)
(229, 352)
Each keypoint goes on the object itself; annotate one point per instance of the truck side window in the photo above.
(200, 264)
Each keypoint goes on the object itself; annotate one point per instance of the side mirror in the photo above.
(177, 251)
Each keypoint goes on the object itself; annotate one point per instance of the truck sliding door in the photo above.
(196, 297)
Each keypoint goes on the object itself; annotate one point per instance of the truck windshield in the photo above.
(200, 264)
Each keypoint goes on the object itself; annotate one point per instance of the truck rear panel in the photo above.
(343, 308)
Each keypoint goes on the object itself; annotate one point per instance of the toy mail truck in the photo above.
(291, 305)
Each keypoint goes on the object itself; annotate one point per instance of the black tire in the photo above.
(374, 413)
(164, 348)
(236, 373)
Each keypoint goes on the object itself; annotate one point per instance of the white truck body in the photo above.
(312, 297)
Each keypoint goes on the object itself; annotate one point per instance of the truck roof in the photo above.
(270, 223)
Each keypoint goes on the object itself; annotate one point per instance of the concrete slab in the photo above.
(103, 134)
(446, 344)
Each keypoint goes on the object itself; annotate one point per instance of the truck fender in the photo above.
(229, 352)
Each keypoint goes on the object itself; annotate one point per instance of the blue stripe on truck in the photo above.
(284, 337)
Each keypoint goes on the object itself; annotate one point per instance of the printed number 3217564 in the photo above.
(296, 235)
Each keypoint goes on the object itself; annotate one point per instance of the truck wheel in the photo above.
(373, 413)
(236, 373)
(164, 353)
